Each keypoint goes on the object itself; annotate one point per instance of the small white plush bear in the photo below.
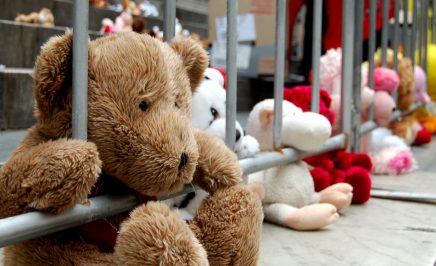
(290, 198)
(208, 114)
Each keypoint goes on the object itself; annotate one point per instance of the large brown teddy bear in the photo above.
(140, 136)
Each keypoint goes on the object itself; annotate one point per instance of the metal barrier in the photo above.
(35, 224)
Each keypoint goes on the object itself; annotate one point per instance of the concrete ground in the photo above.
(381, 232)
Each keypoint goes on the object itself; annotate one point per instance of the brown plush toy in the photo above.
(140, 139)
(44, 17)
(407, 84)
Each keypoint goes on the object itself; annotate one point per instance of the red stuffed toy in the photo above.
(301, 97)
(340, 166)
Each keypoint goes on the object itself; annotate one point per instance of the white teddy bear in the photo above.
(290, 198)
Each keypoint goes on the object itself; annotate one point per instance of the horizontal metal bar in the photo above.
(403, 195)
(35, 224)
(371, 125)
(270, 159)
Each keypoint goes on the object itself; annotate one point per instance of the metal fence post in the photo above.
(405, 27)
(231, 70)
(316, 54)
(169, 20)
(371, 50)
(396, 32)
(421, 32)
(385, 32)
(357, 81)
(347, 65)
(414, 33)
(80, 70)
(279, 70)
(425, 32)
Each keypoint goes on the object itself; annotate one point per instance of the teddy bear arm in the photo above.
(229, 226)
(155, 235)
(218, 166)
(49, 176)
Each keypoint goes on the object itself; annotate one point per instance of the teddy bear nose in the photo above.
(183, 160)
(238, 135)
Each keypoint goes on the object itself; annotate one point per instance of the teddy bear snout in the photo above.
(184, 159)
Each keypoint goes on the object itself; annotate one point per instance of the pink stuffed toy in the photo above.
(385, 79)
(341, 166)
(421, 85)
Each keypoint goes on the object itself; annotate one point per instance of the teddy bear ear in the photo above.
(266, 116)
(52, 74)
(194, 57)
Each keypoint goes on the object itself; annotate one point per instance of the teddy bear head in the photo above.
(139, 105)
(301, 130)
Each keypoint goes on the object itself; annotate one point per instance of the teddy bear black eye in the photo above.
(176, 105)
(214, 113)
(143, 105)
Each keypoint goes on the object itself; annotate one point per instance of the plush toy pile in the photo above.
(141, 141)
(44, 17)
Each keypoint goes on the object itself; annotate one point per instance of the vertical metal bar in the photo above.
(371, 52)
(316, 53)
(80, 70)
(357, 81)
(396, 32)
(425, 32)
(414, 33)
(405, 26)
(385, 29)
(279, 69)
(347, 64)
(433, 22)
(169, 20)
(421, 32)
(232, 7)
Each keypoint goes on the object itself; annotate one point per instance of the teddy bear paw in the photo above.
(158, 236)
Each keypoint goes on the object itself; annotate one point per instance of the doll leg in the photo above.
(311, 217)
(155, 235)
(339, 195)
(229, 226)
(51, 176)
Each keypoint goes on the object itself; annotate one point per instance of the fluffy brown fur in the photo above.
(139, 131)
(407, 84)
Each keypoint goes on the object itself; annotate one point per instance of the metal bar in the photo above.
(169, 20)
(425, 31)
(414, 33)
(421, 33)
(279, 76)
(403, 195)
(433, 22)
(357, 81)
(34, 224)
(232, 8)
(396, 32)
(371, 52)
(385, 33)
(371, 125)
(347, 64)
(271, 159)
(80, 70)
(405, 27)
(316, 54)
